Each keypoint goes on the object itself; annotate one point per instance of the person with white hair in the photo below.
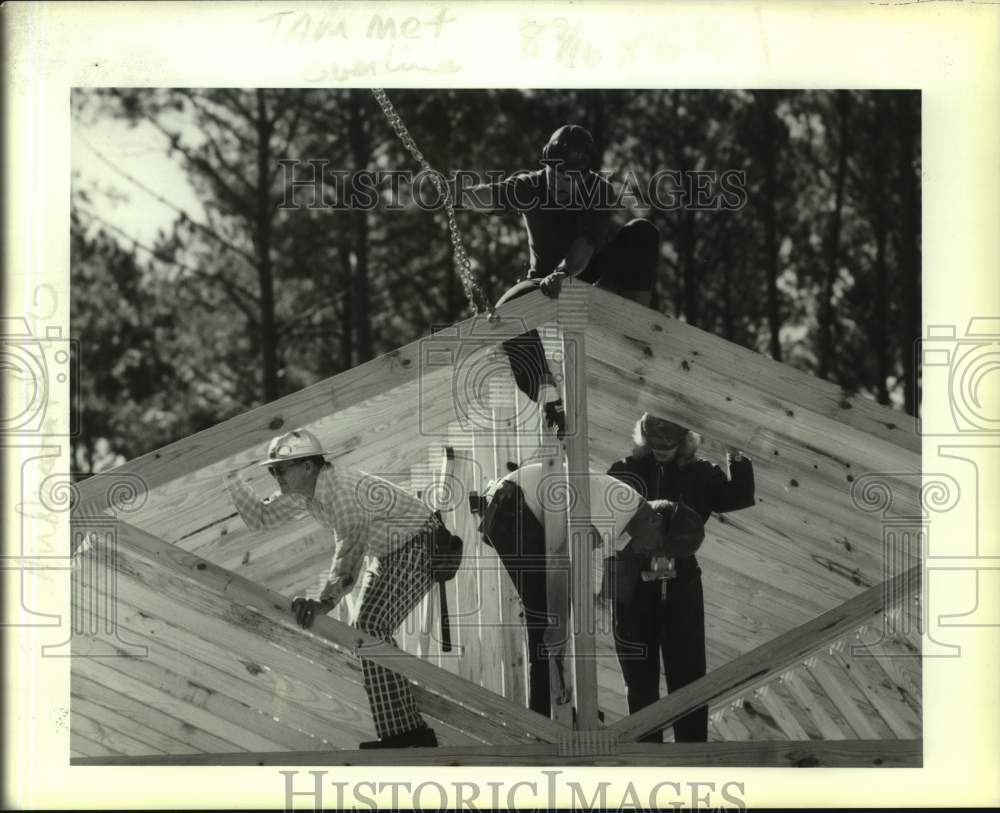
(364, 514)
(658, 604)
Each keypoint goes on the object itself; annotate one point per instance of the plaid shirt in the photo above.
(365, 514)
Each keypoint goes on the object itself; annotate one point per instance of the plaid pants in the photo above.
(394, 586)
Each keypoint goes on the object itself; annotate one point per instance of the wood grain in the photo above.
(258, 605)
(252, 431)
(777, 754)
(770, 659)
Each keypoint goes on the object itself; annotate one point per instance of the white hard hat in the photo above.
(292, 445)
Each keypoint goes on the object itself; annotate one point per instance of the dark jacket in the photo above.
(518, 537)
(702, 486)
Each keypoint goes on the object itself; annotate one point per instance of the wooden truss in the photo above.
(182, 659)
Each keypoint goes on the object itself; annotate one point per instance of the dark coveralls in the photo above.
(648, 626)
(626, 262)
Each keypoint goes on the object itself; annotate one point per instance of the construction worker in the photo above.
(567, 209)
(364, 514)
(658, 605)
(623, 524)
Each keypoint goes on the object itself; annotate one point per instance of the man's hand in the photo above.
(306, 609)
(734, 454)
(552, 284)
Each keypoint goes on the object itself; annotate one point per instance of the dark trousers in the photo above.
(626, 263)
(648, 629)
(519, 540)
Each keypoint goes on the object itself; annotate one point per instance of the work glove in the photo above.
(552, 284)
(306, 609)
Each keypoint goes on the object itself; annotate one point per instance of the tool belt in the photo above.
(446, 551)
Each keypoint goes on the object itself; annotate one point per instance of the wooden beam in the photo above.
(336, 638)
(199, 626)
(827, 728)
(558, 585)
(167, 729)
(826, 527)
(736, 729)
(458, 466)
(898, 658)
(781, 713)
(311, 709)
(257, 427)
(184, 699)
(775, 754)
(879, 690)
(725, 731)
(633, 393)
(573, 313)
(757, 719)
(102, 733)
(723, 418)
(512, 629)
(305, 674)
(90, 749)
(247, 658)
(769, 383)
(383, 435)
(834, 686)
(766, 661)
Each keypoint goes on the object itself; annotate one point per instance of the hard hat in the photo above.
(292, 445)
(571, 145)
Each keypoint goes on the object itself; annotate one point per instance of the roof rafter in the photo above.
(768, 660)
(778, 754)
(339, 639)
(256, 427)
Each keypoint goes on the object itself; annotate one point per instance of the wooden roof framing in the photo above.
(226, 675)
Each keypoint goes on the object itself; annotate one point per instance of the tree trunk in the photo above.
(833, 241)
(877, 202)
(908, 130)
(597, 115)
(765, 104)
(346, 322)
(262, 245)
(727, 295)
(689, 267)
(360, 151)
(686, 240)
(451, 289)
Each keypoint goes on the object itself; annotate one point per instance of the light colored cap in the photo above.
(292, 445)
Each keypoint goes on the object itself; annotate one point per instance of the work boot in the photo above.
(422, 737)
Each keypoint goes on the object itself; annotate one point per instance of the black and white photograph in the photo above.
(554, 425)
(343, 270)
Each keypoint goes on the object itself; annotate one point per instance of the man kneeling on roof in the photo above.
(623, 524)
(567, 208)
(363, 513)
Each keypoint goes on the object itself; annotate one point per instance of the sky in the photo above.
(139, 152)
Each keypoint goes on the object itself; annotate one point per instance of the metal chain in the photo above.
(463, 265)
